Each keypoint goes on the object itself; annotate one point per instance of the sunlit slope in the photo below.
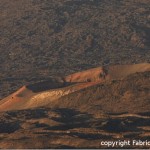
(43, 93)
(129, 95)
(121, 71)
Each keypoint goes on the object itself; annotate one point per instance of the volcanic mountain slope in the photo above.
(98, 107)
(39, 38)
(41, 94)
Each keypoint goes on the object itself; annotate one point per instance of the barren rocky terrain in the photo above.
(42, 38)
(80, 110)
(74, 73)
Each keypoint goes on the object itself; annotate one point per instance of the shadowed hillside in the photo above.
(41, 38)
